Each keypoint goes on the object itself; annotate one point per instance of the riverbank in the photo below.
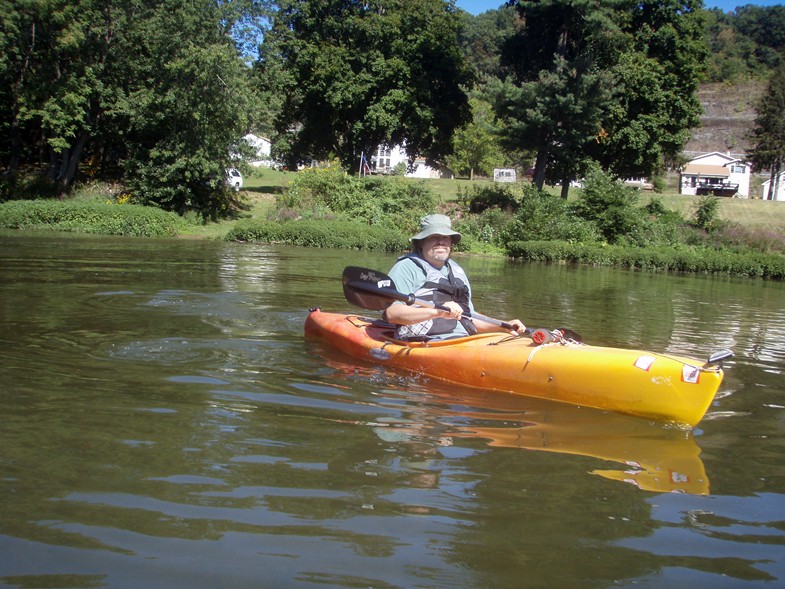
(260, 190)
(759, 221)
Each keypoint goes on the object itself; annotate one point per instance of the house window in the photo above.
(739, 169)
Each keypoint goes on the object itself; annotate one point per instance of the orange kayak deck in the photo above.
(657, 386)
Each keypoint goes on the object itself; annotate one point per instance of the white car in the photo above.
(234, 179)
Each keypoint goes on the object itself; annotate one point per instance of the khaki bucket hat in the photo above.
(436, 225)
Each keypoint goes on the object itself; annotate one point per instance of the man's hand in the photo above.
(520, 328)
(455, 310)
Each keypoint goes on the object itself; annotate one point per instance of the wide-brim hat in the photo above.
(436, 225)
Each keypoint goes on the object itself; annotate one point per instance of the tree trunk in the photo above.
(64, 165)
(539, 168)
(774, 181)
(565, 188)
(15, 148)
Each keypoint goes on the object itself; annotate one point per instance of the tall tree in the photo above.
(49, 69)
(156, 88)
(656, 78)
(476, 145)
(185, 105)
(362, 73)
(482, 38)
(557, 92)
(612, 81)
(768, 134)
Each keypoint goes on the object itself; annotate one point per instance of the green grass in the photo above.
(261, 187)
(753, 213)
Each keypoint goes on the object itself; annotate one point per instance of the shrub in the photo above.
(89, 217)
(499, 196)
(324, 193)
(611, 206)
(490, 227)
(543, 216)
(700, 260)
(707, 213)
(310, 233)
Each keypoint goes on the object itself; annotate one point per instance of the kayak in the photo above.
(657, 386)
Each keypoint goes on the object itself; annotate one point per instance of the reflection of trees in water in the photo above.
(684, 314)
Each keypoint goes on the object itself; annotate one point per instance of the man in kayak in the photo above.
(432, 276)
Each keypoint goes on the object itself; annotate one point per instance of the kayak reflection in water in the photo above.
(429, 273)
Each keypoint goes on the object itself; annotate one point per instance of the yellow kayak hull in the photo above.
(662, 387)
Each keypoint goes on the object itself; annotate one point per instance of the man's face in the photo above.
(436, 249)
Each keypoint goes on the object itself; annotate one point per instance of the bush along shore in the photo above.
(89, 217)
(606, 225)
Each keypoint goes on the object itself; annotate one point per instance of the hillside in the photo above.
(728, 116)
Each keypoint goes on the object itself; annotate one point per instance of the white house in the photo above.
(716, 173)
(779, 188)
(261, 146)
(385, 159)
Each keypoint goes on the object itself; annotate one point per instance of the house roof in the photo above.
(768, 181)
(706, 170)
(715, 154)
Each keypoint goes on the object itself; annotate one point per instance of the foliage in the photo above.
(731, 54)
(490, 227)
(311, 233)
(698, 260)
(608, 82)
(476, 147)
(611, 206)
(657, 79)
(706, 213)
(545, 216)
(149, 89)
(501, 196)
(552, 116)
(482, 37)
(362, 74)
(768, 134)
(330, 192)
(89, 217)
(501, 213)
(184, 170)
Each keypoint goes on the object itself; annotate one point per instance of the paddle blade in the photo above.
(370, 289)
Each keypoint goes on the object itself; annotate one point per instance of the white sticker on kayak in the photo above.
(644, 362)
(690, 374)
(677, 477)
(379, 353)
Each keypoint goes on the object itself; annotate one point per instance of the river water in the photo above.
(165, 424)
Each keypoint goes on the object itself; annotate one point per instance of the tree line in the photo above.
(157, 94)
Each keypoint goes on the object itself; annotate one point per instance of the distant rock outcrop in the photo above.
(728, 117)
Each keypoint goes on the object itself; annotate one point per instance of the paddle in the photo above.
(371, 289)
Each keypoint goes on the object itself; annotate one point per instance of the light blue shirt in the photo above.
(409, 278)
